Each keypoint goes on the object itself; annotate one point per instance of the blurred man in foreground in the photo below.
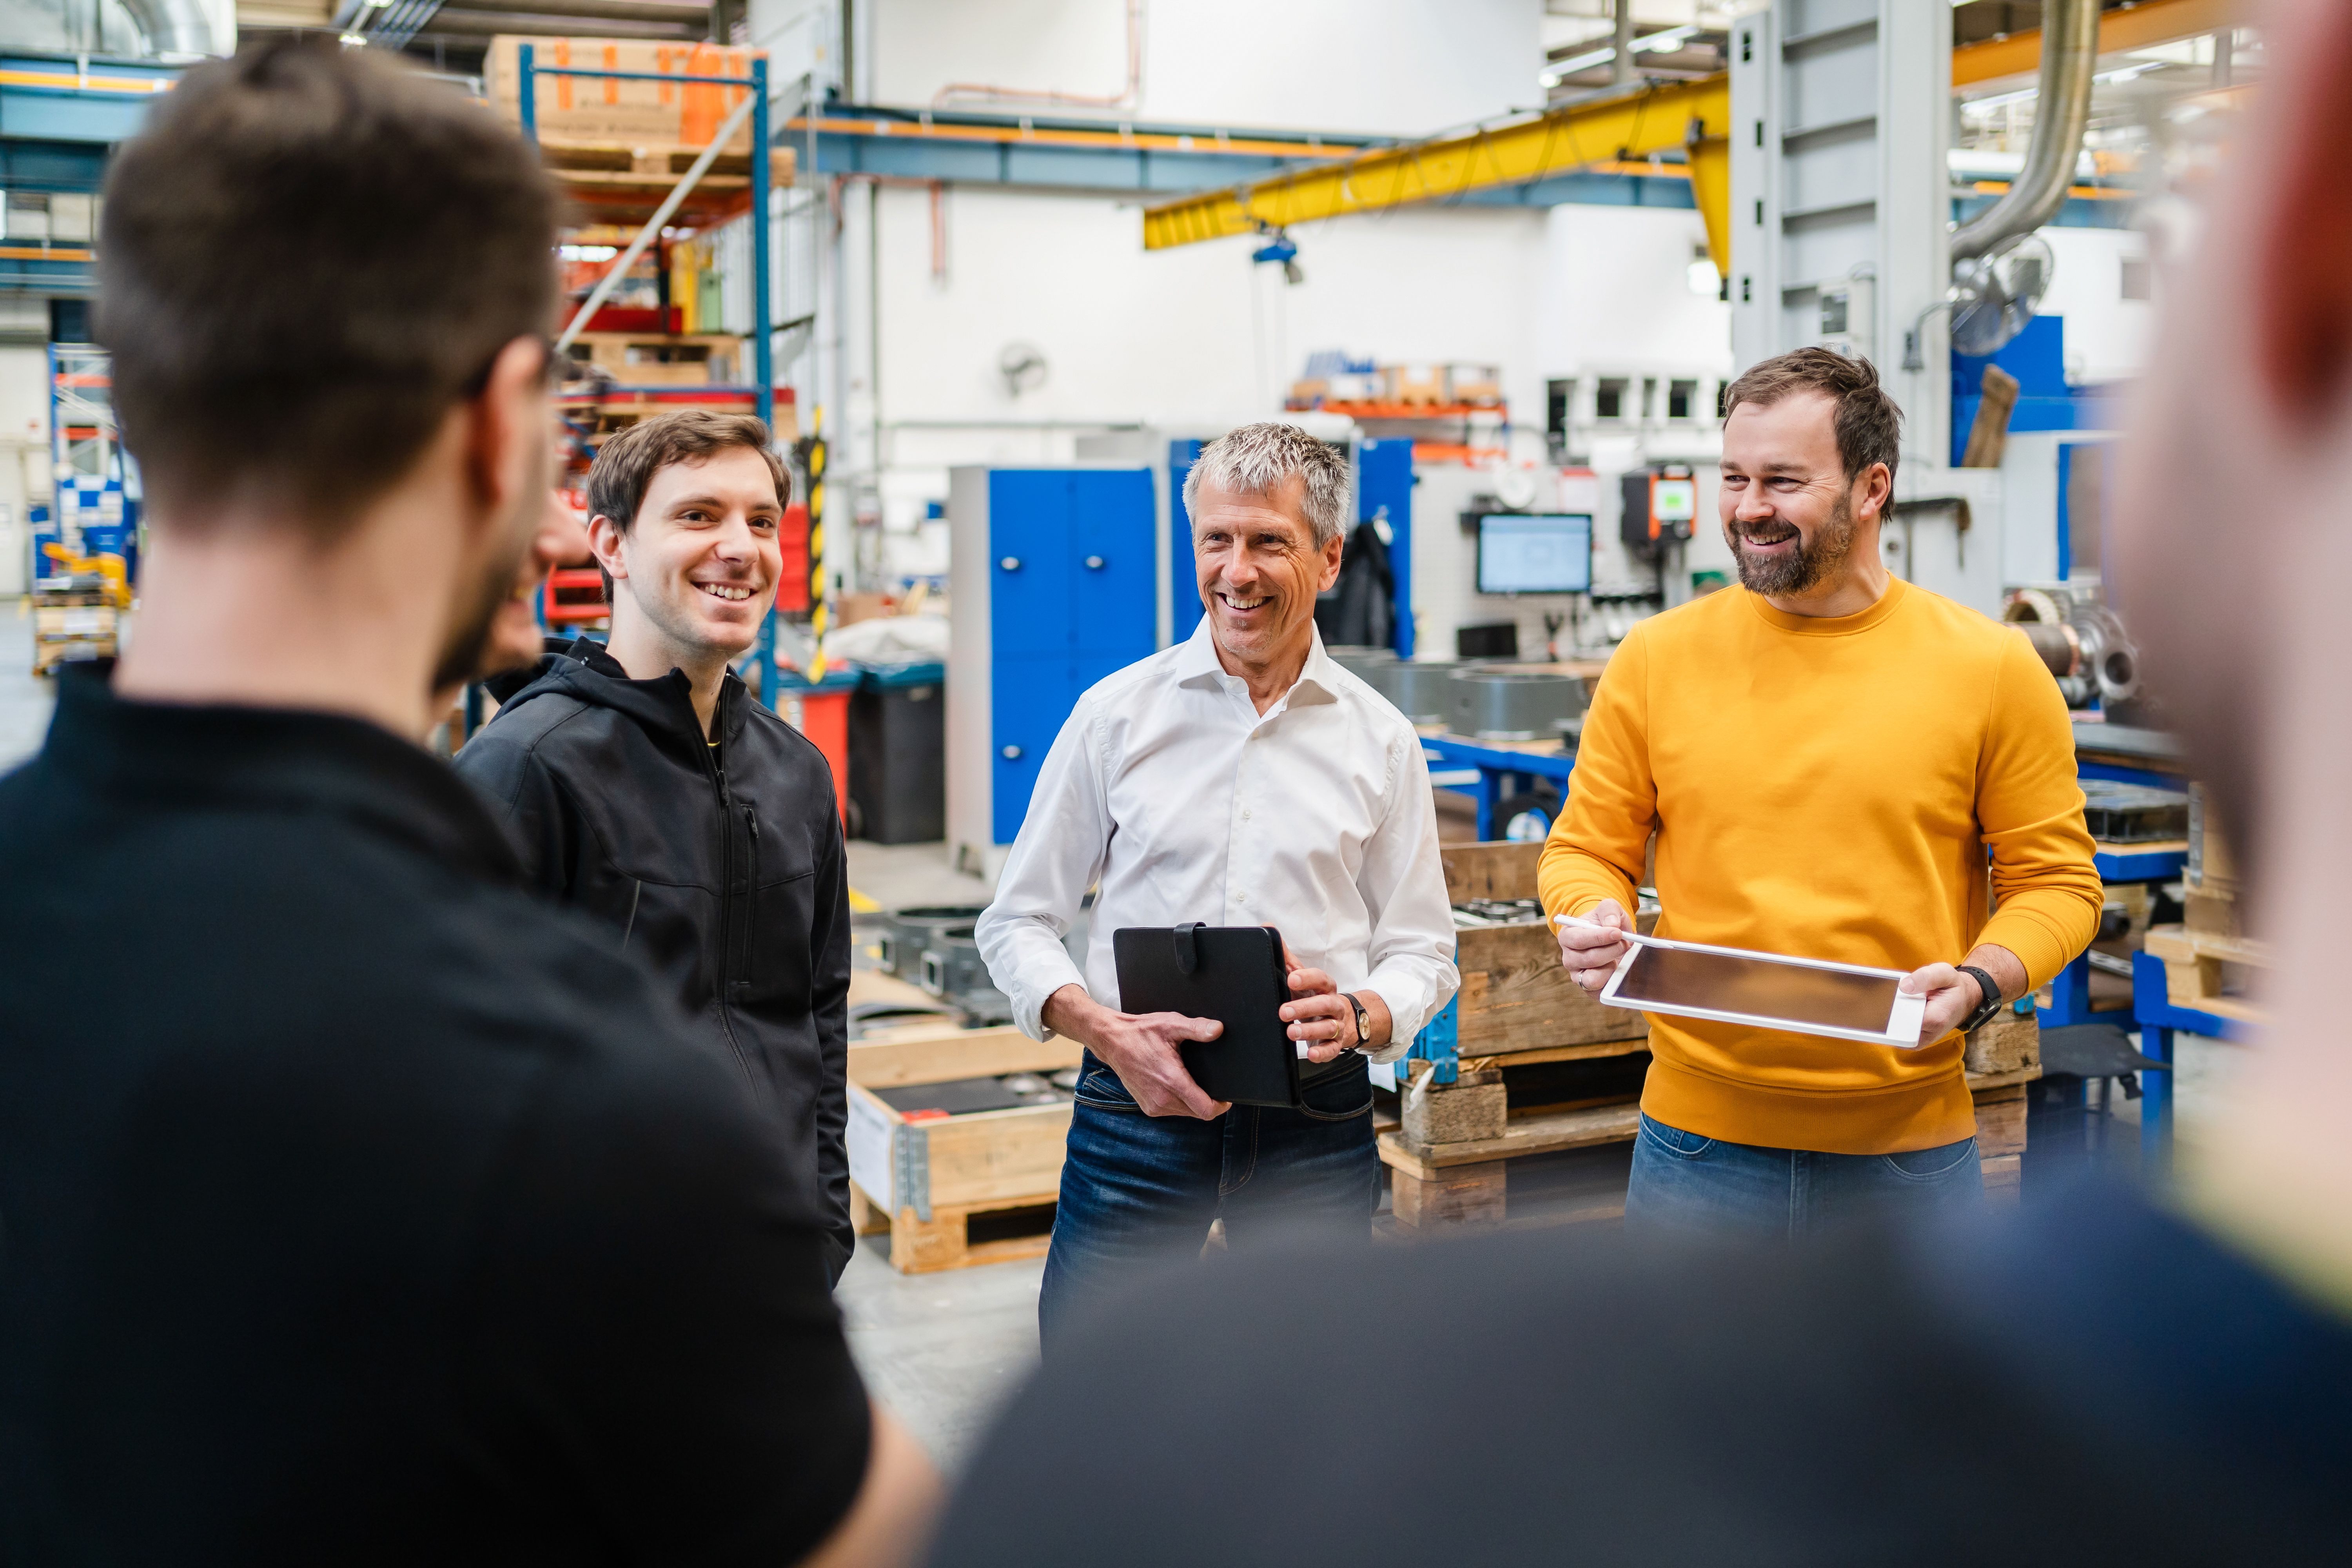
(357, 1206)
(2103, 1379)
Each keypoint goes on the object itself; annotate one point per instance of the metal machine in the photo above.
(2081, 641)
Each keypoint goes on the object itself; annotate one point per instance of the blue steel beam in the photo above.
(67, 98)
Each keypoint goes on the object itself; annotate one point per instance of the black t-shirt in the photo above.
(357, 1207)
(2093, 1382)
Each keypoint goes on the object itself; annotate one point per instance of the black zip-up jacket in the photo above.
(721, 866)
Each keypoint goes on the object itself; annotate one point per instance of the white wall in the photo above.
(1194, 335)
(24, 456)
(2107, 336)
(1618, 292)
(1393, 66)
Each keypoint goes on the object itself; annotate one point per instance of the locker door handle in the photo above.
(1094, 563)
(1011, 754)
(1011, 563)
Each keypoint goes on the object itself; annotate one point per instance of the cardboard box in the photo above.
(1413, 383)
(1474, 384)
(1307, 393)
(587, 110)
(1352, 387)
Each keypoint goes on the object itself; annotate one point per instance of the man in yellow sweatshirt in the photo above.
(1826, 755)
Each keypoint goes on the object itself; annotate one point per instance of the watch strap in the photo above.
(1991, 1004)
(1363, 1022)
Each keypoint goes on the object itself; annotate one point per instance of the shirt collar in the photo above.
(1197, 663)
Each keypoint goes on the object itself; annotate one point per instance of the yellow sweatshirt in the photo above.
(1828, 788)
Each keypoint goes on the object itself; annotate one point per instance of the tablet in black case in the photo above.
(1231, 973)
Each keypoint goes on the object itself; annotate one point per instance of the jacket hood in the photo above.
(663, 708)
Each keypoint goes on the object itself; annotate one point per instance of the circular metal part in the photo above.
(1511, 705)
(1418, 686)
(2060, 648)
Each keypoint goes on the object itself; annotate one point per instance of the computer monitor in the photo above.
(1545, 552)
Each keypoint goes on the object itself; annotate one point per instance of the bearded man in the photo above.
(1826, 755)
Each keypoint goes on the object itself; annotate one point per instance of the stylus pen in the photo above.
(1632, 936)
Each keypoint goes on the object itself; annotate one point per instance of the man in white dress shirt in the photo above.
(1240, 778)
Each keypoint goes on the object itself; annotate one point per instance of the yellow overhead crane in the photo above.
(1610, 135)
(1693, 116)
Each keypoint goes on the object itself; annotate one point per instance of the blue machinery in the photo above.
(1487, 774)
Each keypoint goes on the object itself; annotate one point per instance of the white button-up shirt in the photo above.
(1168, 789)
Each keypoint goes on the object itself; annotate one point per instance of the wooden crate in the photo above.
(1519, 1008)
(1516, 1001)
(925, 1179)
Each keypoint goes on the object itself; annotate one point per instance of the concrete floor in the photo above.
(942, 1351)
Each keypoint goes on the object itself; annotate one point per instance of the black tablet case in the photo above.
(1231, 973)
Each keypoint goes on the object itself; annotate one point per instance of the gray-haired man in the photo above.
(1240, 778)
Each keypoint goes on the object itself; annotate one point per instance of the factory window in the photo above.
(1608, 399)
(1680, 396)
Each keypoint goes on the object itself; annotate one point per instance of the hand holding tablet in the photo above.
(1767, 991)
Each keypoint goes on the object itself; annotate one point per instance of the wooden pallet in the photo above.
(1468, 1182)
(2205, 970)
(944, 1241)
(925, 1180)
(694, 357)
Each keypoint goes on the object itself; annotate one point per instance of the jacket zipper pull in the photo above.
(751, 820)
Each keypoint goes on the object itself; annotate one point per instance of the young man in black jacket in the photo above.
(648, 789)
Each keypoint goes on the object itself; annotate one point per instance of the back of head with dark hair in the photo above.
(307, 257)
(627, 463)
(1869, 424)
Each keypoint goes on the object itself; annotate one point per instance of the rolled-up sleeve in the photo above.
(1056, 857)
(1403, 888)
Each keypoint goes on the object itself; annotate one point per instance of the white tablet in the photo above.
(1767, 991)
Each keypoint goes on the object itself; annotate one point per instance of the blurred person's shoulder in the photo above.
(1939, 1399)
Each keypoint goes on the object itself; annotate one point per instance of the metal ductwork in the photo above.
(2070, 53)
(173, 26)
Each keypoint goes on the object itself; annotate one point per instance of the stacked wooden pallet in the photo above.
(2211, 965)
(925, 1179)
(1449, 1160)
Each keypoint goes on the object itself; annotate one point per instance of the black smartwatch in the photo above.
(1363, 1022)
(1985, 1009)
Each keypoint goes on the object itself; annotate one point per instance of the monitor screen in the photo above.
(1550, 552)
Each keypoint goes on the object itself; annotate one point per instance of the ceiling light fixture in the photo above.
(1655, 44)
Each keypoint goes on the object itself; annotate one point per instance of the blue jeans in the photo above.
(1136, 1188)
(1684, 1183)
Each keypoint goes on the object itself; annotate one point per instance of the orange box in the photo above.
(585, 109)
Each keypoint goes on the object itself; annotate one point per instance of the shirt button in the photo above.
(1245, 815)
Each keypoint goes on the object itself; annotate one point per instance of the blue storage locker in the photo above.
(1063, 561)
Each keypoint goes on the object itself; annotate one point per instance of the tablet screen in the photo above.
(1670, 977)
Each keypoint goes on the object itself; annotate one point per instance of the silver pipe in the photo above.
(173, 26)
(2070, 53)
